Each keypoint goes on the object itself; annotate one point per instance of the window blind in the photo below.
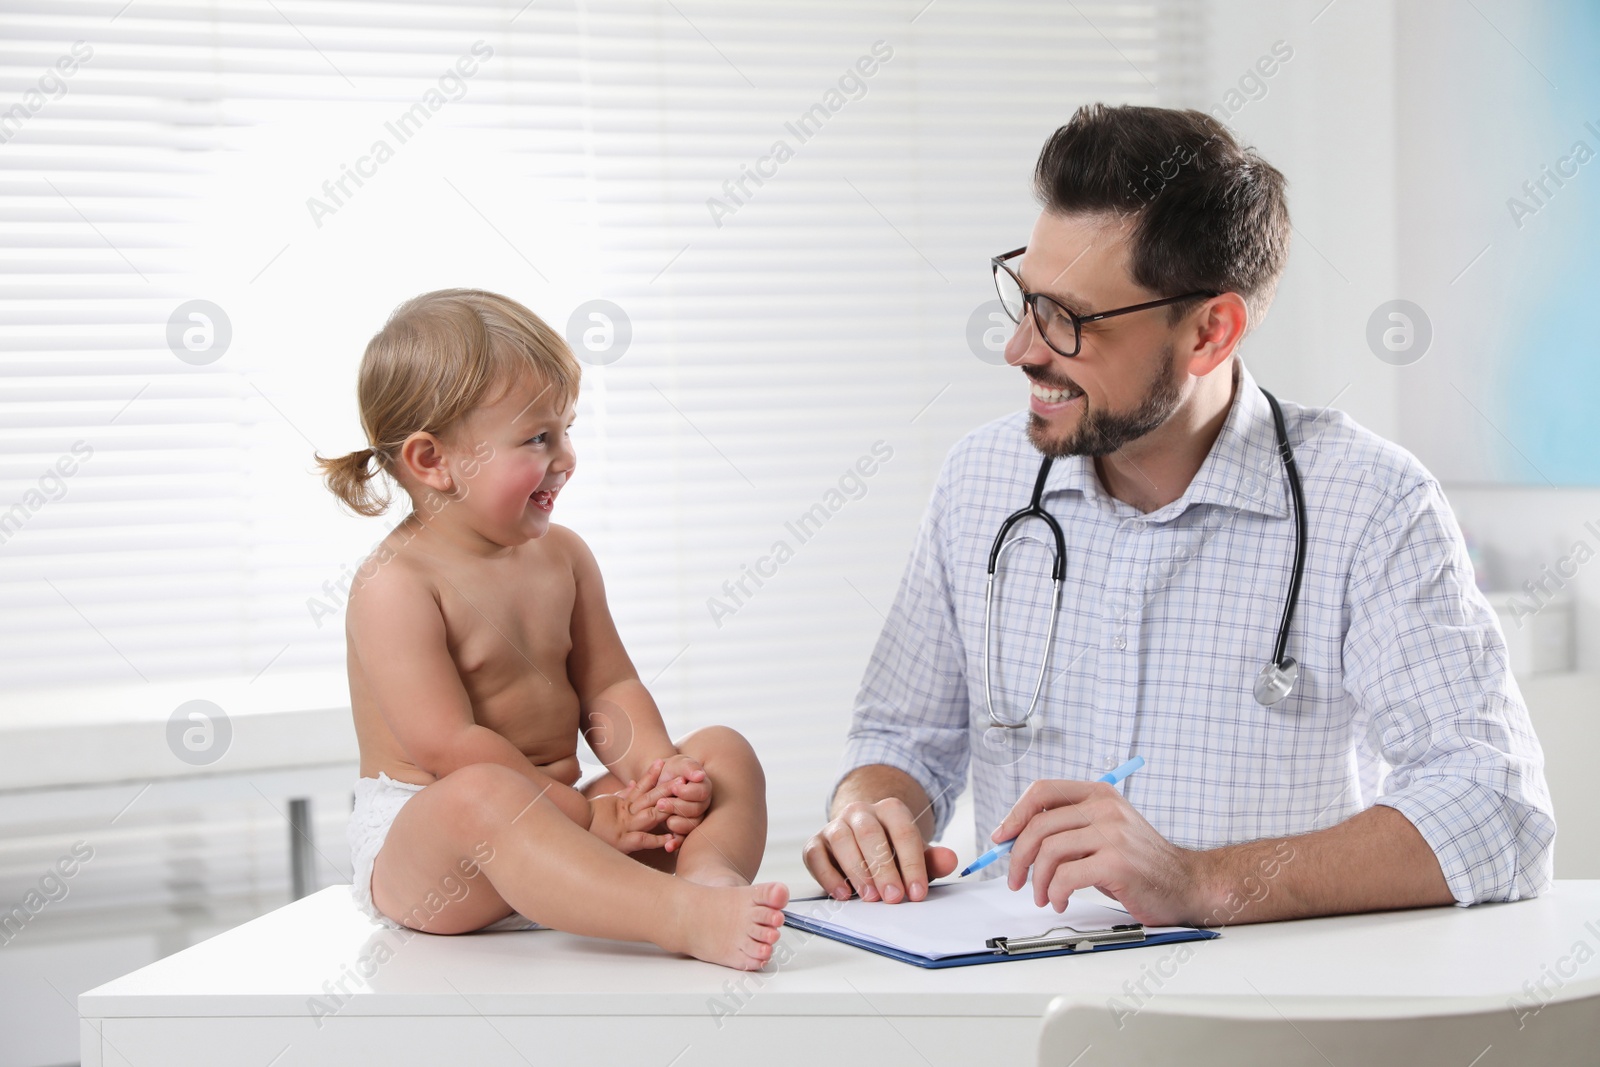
(787, 210)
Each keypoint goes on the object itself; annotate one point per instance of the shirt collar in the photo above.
(1242, 471)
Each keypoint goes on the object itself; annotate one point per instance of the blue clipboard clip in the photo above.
(1074, 940)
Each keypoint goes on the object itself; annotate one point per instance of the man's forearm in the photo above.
(1374, 861)
(878, 781)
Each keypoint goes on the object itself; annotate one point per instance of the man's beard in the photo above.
(1100, 433)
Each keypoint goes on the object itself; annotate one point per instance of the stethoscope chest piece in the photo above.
(1276, 681)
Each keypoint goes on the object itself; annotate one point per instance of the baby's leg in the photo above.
(726, 848)
(552, 870)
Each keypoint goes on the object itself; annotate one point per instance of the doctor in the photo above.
(1183, 615)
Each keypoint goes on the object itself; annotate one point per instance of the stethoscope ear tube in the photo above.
(1034, 510)
(1044, 660)
(1058, 573)
(1286, 670)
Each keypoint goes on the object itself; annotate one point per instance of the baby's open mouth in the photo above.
(545, 499)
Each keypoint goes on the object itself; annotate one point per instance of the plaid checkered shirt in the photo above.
(1405, 696)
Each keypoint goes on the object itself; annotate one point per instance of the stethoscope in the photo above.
(1276, 680)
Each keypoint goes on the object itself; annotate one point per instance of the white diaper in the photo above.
(378, 801)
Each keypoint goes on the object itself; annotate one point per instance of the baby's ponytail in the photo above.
(349, 478)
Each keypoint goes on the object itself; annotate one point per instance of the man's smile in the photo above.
(1048, 397)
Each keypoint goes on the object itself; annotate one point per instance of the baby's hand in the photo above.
(681, 793)
(627, 825)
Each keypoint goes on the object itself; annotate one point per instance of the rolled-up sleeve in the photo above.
(1426, 665)
(911, 710)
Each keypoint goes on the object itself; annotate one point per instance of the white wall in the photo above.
(1340, 119)
(1325, 119)
(1447, 213)
(1353, 120)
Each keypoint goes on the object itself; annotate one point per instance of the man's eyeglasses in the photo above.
(1060, 328)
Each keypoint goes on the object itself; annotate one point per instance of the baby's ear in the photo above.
(422, 457)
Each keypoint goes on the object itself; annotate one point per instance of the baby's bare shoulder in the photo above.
(562, 547)
(391, 580)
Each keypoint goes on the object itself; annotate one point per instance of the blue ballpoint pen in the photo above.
(1111, 777)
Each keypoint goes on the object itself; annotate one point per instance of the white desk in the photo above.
(257, 995)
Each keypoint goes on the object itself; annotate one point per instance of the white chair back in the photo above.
(1555, 1027)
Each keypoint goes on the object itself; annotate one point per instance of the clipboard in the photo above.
(968, 923)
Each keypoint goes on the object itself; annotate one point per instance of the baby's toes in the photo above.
(771, 894)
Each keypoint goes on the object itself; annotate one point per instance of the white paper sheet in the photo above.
(958, 918)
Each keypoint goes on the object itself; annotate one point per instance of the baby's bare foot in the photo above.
(735, 927)
(712, 873)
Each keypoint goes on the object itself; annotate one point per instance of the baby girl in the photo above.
(480, 647)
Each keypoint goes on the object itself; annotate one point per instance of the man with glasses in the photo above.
(1388, 762)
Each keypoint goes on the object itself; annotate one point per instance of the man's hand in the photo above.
(876, 849)
(1080, 834)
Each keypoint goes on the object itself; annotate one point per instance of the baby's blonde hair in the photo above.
(437, 358)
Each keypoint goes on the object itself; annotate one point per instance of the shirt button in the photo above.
(1119, 642)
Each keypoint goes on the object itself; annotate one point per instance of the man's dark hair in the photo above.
(1207, 213)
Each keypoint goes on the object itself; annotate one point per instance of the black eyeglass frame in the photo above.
(1030, 302)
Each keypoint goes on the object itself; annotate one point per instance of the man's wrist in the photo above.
(873, 783)
(1206, 904)
(1232, 883)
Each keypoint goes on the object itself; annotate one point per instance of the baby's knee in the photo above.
(721, 745)
(480, 794)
